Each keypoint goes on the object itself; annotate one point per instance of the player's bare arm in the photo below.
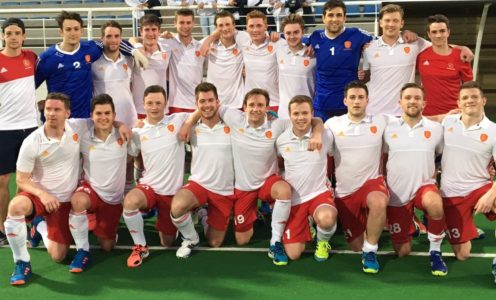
(25, 184)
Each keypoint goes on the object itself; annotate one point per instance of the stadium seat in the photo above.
(31, 3)
(51, 2)
(353, 11)
(113, 1)
(9, 3)
(73, 2)
(104, 17)
(124, 17)
(370, 10)
(92, 1)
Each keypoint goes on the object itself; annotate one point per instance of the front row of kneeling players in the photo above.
(235, 163)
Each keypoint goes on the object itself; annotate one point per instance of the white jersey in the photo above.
(186, 72)
(114, 78)
(104, 164)
(54, 164)
(163, 153)
(390, 68)
(357, 151)
(260, 65)
(466, 156)
(254, 150)
(225, 71)
(411, 157)
(212, 165)
(296, 76)
(305, 171)
(155, 74)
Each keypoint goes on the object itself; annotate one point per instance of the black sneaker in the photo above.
(3, 239)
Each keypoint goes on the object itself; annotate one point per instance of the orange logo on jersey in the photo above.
(347, 44)
(170, 127)
(26, 63)
(270, 48)
(197, 53)
(87, 58)
(450, 129)
(373, 129)
(268, 134)
(377, 55)
(164, 55)
(227, 130)
(75, 137)
(45, 153)
(450, 66)
(125, 66)
(483, 137)
(341, 133)
(120, 141)
(306, 62)
(406, 50)
(235, 51)
(241, 130)
(427, 134)
(281, 61)
(394, 136)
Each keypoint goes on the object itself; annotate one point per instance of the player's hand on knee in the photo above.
(50, 203)
(485, 203)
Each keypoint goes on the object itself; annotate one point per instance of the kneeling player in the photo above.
(212, 175)
(101, 191)
(306, 172)
(412, 143)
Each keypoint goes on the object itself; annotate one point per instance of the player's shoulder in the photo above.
(431, 123)
(335, 121)
(357, 30)
(52, 50)
(29, 54)
(450, 120)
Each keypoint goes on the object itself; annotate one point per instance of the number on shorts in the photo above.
(288, 234)
(453, 233)
(394, 228)
(240, 219)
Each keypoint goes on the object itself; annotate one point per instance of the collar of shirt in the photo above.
(366, 120)
(483, 124)
(218, 125)
(262, 45)
(95, 138)
(219, 45)
(300, 52)
(164, 121)
(306, 136)
(381, 42)
(332, 38)
(118, 60)
(421, 123)
(264, 126)
(191, 44)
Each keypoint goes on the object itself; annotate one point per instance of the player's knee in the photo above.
(462, 254)
(166, 240)
(58, 256)
(326, 220)
(378, 203)
(107, 246)
(132, 201)
(18, 207)
(293, 254)
(182, 203)
(281, 190)
(79, 202)
(215, 242)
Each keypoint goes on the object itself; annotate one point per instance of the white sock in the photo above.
(135, 225)
(43, 230)
(280, 215)
(78, 224)
(368, 247)
(186, 227)
(435, 241)
(323, 235)
(15, 229)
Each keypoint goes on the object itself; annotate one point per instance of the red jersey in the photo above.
(442, 76)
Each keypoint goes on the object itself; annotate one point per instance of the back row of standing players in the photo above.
(258, 53)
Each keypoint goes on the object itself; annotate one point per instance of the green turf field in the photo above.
(247, 273)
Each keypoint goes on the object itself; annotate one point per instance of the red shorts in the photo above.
(174, 110)
(163, 205)
(57, 222)
(107, 215)
(141, 116)
(400, 219)
(353, 211)
(459, 215)
(245, 207)
(297, 228)
(219, 206)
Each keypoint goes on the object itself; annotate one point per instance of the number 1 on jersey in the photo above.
(332, 51)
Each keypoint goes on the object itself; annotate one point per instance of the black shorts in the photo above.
(11, 141)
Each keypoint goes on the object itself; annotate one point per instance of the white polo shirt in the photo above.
(296, 76)
(155, 74)
(260, 65)
(411, 157)
(104, 164)
(357, 151)
(163, 153)
(254, 151)
(390, 68)
(114, 78)
(305, 171)
(466, 156)
(212, 165)
(186, 72)
(225, 71)
(54, 164)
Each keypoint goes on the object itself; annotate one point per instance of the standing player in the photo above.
(306, 172)
(441, 69)
(163, 158)
(467, 187)
(338, 51)
(212, 175)
(18, 105)
(414, 141)
(296, 69)
(361, 193)
(102, 190)
(66, 67)
(47, 174)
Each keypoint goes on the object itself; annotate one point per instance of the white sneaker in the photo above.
(186, 246)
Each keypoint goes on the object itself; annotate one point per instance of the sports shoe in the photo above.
(370, 263)
(82, 260)
(494, 271)
(137, 255)
(480, 234)
(22, 273)
(322, 251)
(278, 255)
(34, 237)
(438, 267)
(149, 214)
(313, 231)
(419, 227)
(3, 239)
(186, 246)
